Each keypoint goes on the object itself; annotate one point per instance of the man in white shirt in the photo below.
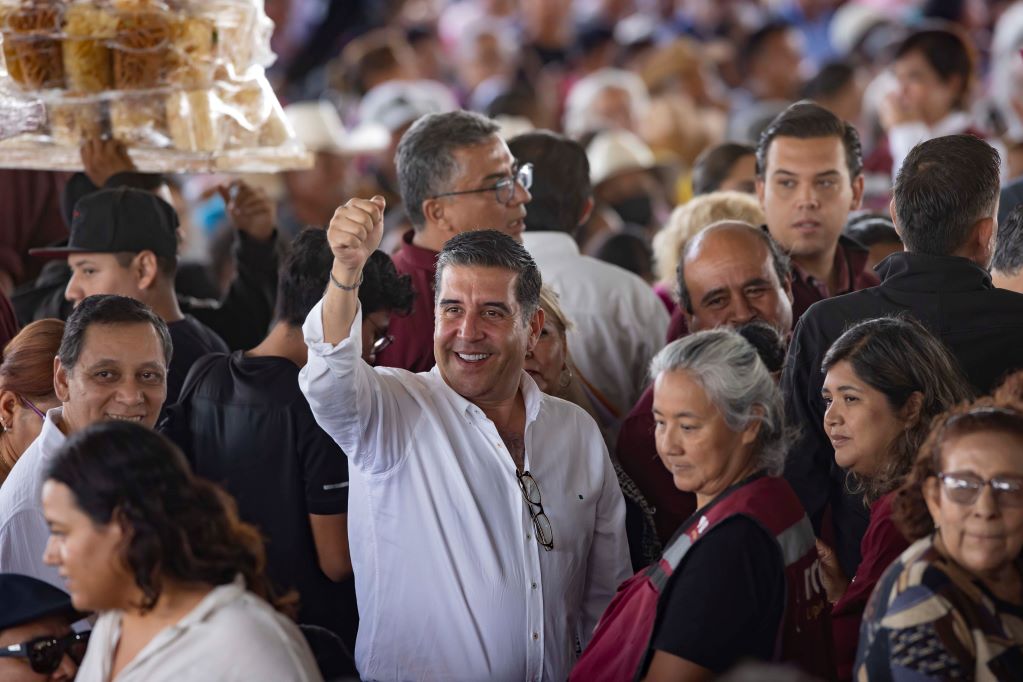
(464, 569)
(112, 364)
(620, 323)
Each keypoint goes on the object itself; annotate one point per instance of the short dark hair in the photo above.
(756, 41)
(425, 157)
(383, 288)
(779, 259)
(871, 228)
(561, 179)
(714, 164)
(899, 356)
(944, 187)
(830, 80)
(1008, 256)
(493, 249)
(178, 526)
(627, 250)
(806, 120)
(108, 309)
(947, 52)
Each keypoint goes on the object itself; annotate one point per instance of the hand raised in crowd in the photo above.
(835, 582)
(251, 209)
(105, 158)
(355, 231)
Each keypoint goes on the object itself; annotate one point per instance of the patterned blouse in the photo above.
(930, 619)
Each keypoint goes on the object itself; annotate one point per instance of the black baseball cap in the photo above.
(26, 599)
(117, 220)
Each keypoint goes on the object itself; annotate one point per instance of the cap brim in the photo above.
(55, 253)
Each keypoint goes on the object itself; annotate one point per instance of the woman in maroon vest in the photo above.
(740, 579)
(886, 380)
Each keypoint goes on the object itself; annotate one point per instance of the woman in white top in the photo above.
(176, 578)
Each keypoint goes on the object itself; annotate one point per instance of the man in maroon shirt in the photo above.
(729, 274)
(809, 178)
(456, 174)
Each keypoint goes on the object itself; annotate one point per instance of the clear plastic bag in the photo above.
(181, 82)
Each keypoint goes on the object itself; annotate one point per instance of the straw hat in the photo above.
(614, 152)
(318, 126)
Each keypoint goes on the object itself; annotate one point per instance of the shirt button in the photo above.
(528, 536)
(533, 586)
(536, 636)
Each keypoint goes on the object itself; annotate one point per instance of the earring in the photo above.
(3, 426)
(566, 378)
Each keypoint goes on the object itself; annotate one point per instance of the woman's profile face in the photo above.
(546, 362)
(985, 536)
(87, 555)
(923, 90)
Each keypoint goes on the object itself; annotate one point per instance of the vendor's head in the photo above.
(123, 241)
(718, 413)
(966, 486)
(36, 641)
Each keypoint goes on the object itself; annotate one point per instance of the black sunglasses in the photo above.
(44, 654)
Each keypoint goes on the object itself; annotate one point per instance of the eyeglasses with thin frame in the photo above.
(44, 654)
(541, 524)
(30, 405)
(504, 190)
(965, 488)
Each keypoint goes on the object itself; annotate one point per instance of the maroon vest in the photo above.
(621, 646)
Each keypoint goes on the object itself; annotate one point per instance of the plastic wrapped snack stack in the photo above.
(33, 28)
(190, 121)
(72, 121)
(88, 31)
(142, 48)
(193, 51)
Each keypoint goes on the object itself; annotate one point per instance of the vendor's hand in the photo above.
(251, 210)
(894, 110)
(104, 158)
(835, 582)
(355, 232)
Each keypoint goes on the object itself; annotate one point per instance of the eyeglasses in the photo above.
(541, 524)
(964, 489)
(380, 344)
(30, 405)
(44, 654)
(504, 190)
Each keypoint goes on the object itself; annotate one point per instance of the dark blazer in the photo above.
(982, 326)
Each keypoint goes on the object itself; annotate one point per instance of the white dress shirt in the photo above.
(904, 136)
(231, 635)
(23, 530)
(620, 323)
(451, 583)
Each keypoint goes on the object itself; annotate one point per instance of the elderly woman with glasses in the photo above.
(951, 606)
(740, 579)
(26, 388)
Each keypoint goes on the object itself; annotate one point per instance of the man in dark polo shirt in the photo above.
(809, 177)
(944, 207)
(456, 174)
(243, 422)
(124, 241)
(730, 274)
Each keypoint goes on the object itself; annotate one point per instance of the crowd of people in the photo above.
(603, 340)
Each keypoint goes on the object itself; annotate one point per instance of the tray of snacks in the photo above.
(181, 83)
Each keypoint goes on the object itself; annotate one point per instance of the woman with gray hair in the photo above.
(740, 580)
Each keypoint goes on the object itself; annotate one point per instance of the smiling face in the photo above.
(693, 441)
(859, 421)
(807, 194)
(480, 339)
(120, 374)
(731, 280)
(479, 166)
(547, 361)
(87, 555)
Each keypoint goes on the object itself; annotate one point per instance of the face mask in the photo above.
(637, 210)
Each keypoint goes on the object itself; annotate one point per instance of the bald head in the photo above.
(732, 273)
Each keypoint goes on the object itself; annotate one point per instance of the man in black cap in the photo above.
(36, 641)
(124, 241)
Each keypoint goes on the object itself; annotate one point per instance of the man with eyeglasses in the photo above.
(243, 424)
(455, 174)
(491, 530)
(36, 640)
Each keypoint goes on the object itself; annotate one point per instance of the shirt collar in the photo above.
(550, 243)
(417, 256)
(843, 276)
(50, 436)
(918, 271)
(532, 396)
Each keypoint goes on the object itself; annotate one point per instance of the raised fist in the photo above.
(355, 231)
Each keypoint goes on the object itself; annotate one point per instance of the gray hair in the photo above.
(1008, 258)
(730, 371)
(493, 249)
(425, 158)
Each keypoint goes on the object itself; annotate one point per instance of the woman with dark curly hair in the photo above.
(951, 606)
(176, 578)
(886, 380)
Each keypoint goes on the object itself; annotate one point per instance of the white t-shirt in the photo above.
(230, 635)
